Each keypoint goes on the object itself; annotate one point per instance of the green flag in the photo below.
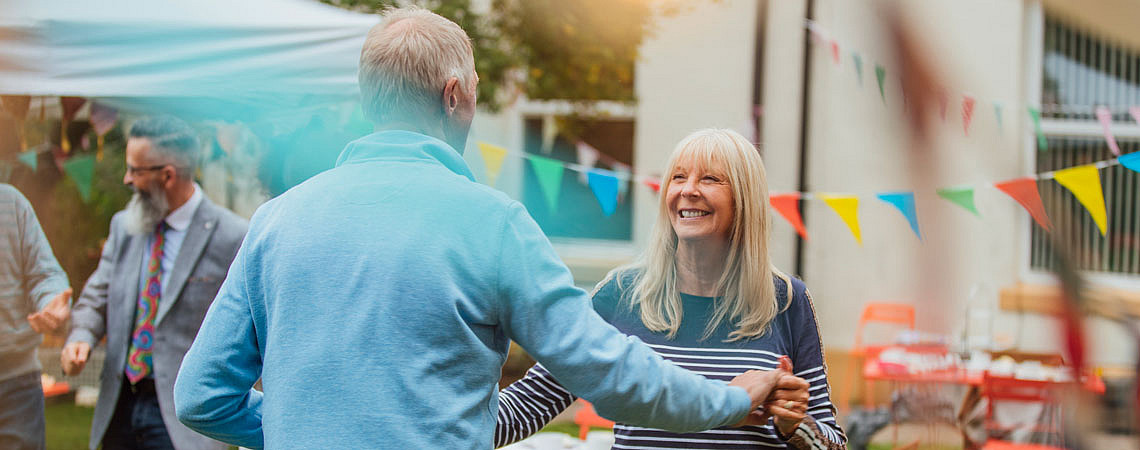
(81, 169)
(881, 74)
(30, 158)
(962, 196)
(549, 172)
(1042, 143)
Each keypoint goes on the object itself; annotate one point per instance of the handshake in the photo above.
(777, 394)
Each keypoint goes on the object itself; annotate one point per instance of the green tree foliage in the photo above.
(580, 50)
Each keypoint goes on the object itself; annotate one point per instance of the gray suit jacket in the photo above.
(106, 307)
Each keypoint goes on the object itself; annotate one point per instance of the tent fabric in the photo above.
(228, 59)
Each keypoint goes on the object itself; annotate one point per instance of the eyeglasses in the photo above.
(137, 170)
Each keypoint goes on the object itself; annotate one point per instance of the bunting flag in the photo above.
(1131, 161)
(967, 113)
(1104, 116)
(997, 114)
(881, 75)
(1042, 143)
(17, 106)
(835, 51)
(492, 160)
(30, 158)
(1024, 190)
(103, 119)
(70, 106)
(788, 205)
(961, 196)
(653, 183)
(847, 206)
(858, 60)
(549, 173)
(81, 169)
(549, 133)
(1135, 112)
(605, 186)
(587, 157)
(904, 202)
(1084, 183)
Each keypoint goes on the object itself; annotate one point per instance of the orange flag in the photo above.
(788, 205)
(1024, 190)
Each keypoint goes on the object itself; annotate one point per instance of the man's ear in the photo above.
(451, 96)
(171, 175)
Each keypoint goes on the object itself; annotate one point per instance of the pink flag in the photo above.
(587, 156)
(1135, 111)
(1105, 118)
(967, 112)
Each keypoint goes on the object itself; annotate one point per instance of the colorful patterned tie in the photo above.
(139, 363)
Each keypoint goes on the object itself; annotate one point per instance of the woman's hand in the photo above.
(789, 401)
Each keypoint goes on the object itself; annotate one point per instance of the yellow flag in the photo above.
(847, 206)
(1084, 183)
(492, 160)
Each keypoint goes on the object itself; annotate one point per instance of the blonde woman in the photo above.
(706, 296)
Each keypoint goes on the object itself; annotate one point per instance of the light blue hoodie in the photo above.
(377, 300)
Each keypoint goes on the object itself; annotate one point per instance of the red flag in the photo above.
(653, 183)
(967, 112)
(835, 51)
(1024, 190)
(788, 205)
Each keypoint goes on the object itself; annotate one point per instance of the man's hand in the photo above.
(74, 357)
(53, 315)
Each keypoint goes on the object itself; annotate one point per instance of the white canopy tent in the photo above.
(217, 59)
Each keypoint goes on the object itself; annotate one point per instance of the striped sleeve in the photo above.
(528, 405)
(819, 430)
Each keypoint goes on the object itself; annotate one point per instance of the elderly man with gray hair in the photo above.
(376, 301)
(162, 265)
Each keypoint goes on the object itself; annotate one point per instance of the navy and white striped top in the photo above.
(527, 405)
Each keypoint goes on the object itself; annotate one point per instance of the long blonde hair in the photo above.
(748, 295)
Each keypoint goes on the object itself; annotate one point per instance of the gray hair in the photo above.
(172, 140)
(406, 62)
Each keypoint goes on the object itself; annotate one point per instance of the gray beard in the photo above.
(145, 211)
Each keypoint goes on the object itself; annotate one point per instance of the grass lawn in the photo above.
(67, 425)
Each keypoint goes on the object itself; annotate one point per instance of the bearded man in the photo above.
(165, 259)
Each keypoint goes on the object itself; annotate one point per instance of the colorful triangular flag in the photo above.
(881, 76)
(788, 205)
(961, 196)
(652, 182)
(1104, 116)
(30, 158)
(1024, 190)
(847, 206)
(587, 157)
(1135, 112)
(604, 184)
(1131, 161)
(967, 113)
(103, 119)
(81, 169)
(858, 60)
(904, 202)
(492, 160)
(1084, 183)
(835, 51)
(549, 173)
(1042, 143)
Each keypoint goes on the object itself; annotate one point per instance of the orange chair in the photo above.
(890, 313)
(586, 417)
(997, 389)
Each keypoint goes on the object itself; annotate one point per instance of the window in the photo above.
(578, 213)
(1079, 74)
